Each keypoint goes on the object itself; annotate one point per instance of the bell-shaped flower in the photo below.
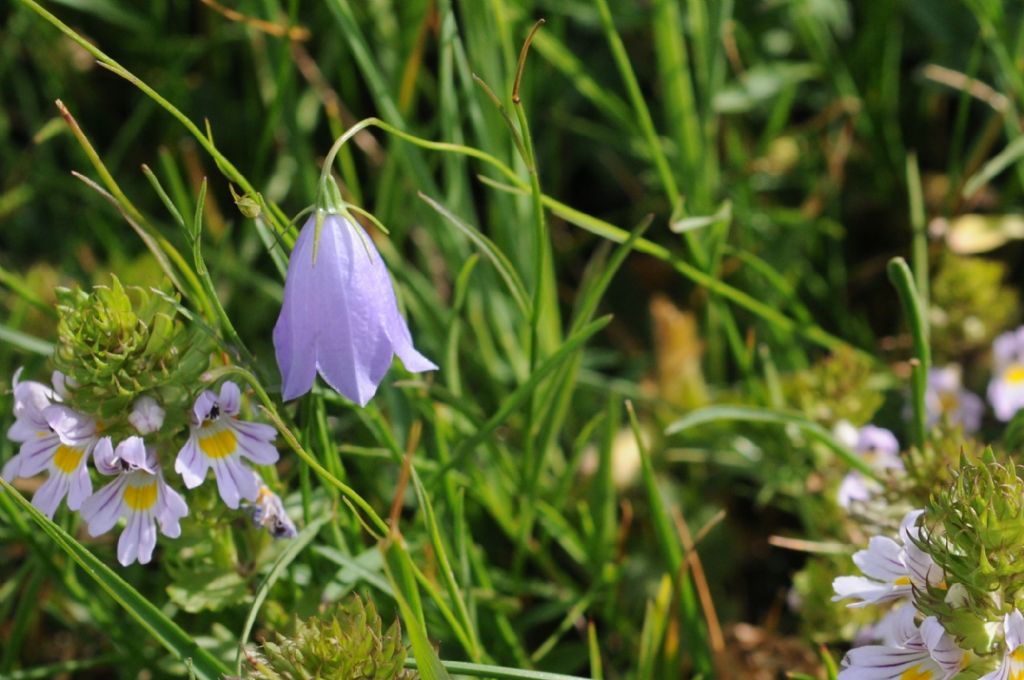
(946, 398)
(53, 438)
(891, 569)
(340, 317)
(879, 449)
(139, 494)
(219, 440)
(925, 652)
(1006, 389)
(1012, 665)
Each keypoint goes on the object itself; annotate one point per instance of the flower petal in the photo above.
(254, 442)
(191, 463)
(49, 495)
(297, 325)
(81, 486)
(230, 400)
(102, 509)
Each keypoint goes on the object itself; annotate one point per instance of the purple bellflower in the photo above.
(340, 317)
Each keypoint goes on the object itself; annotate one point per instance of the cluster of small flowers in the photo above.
(945, 400)
(897, 572)
(55, 438)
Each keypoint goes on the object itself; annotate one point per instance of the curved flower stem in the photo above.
(270, 408)
(809, 331)
(205, 140)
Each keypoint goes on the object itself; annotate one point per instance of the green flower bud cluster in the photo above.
(843, 386)
(970, 304)
(975, 534)
(348, 643)
(116, 344)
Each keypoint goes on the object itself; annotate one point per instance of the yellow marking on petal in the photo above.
(1016, 674)
(916, 673)
(67, 458)
(1018, 655)
(218, 444)
(1014, 374)
(949, 402)
(902, 581)
(43, 433)
(140, 497)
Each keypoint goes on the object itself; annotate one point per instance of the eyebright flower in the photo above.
(340, 317)
(946, 398)
(268, 512)
(219, 440)
(53, 438)
(1006, 390)
(139, 494)
(1012, 666)
(891, 570)
(147, 416)
(880, 450)
(924, 652)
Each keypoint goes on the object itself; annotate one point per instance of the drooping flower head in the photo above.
(1006, 389)
(340, 317)
(53, 438)
(947, 398)
(218, 440)
(139, 494)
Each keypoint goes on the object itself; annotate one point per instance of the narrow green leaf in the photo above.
(295, 546)
(145, 613)
(752, 414)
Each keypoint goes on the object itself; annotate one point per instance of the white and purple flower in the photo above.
(891, 569)
(219, 440)
(947, 399)
(340, 317)
(53, 438)
(879, 449)
(139, 494)
(925, 652)
(1006, 389)
(1012, 665)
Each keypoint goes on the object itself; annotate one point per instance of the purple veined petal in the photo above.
(131, 538)
(883, 559)
(35, 455)
(877, 662)
(254, 442)
(941, 645)
(133, 452)
(30, 400)
(102, 509)
(230, 399)
(147, 537)
(1013, 630)
(48, 496)
(170, 509)
(297, 325)
(227, 481)
(204, 404)
(61, 383)
(353, 351)
(81, 486)
(22, 430)
(104, 458)
(12, 468)
(191, 463)
(74, 428)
